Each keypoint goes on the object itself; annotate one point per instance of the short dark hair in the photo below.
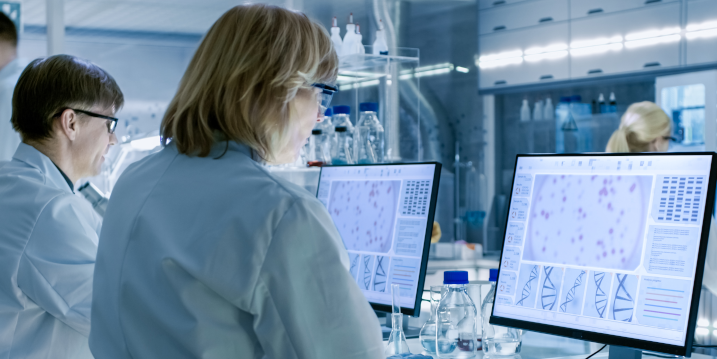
(8, 32)
(49, 85)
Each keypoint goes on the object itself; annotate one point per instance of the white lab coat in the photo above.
(48, 243)
(217, 258)
(9, 139)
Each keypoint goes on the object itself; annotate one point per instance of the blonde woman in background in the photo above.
(644, 127)
(203, 253)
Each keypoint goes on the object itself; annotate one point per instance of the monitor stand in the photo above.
(618, 352)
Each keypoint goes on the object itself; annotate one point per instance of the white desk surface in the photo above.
(542, 346)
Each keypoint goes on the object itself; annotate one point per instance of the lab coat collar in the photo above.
(222, 145)
(36, 159)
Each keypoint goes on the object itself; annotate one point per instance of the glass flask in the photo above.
(428, 331)
(397, 340)
(341, 118)
(368, 136)
(342, 154)
(497, 341)
(456, 319)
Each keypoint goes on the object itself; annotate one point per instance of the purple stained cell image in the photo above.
(364, 213)
(588, 220)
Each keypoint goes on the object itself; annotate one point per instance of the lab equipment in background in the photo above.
(317, 153)
(341, 118)
(456, 319)
(548, 110)
(368, 135)
(397, 340)
(358, 42)
(525, 112)
(380, 46)
(336, 36)
(612, 106)
(497, 341)
(602, 107)
(427, 336)
(96, 198)
(538, 111)
(342, 155)
(348, 42)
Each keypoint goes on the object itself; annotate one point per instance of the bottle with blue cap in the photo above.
(457, 319)
(497, 341)
(342, 143)
(368, 135)
(327, 135)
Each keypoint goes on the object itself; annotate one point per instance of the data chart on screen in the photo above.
(607, 244)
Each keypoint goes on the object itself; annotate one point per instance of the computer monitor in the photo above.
(384, 214)
(608, 248)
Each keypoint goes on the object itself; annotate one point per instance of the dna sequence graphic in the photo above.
(379, 282)
(366, 272)
(550, 292)
(622, 305)
(528, 285)
(600, 297)
(354, 266)
(571, 292)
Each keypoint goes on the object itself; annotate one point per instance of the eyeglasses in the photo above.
(671, 138)
(110, 125)
(324, 97)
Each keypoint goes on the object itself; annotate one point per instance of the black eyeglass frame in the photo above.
(110, 129)
(325, 96)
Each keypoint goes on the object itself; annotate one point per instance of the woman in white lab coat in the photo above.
(205, 254)
(644, 127)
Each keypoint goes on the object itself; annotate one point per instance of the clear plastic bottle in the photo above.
(525, 112)
(538, 111)
(380, 46)
(327, 134)
(340, 118)
(548, 110)
(336, 36)
(317, 150)
(343, 147)
(358, 42)
(368, 135)
(457, 319)
(427, 336)
(347, 47)
(397, 339)
(497, 341)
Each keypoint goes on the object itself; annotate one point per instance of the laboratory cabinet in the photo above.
(588, 8)
(532, 69)
(521, 15)
(631, 56)
(487, 4)
(701, 49)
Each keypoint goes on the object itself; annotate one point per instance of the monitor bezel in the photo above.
(610, 339)
(416, 310)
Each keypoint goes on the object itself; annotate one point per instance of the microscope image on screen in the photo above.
(364, 213)
(588, 220)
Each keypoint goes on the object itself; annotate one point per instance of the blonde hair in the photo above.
(244, 77)
(642, 123)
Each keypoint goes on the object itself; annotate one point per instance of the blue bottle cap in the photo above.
(342, 109)
(575, 98)
(329, 112)
(455, 277)
(368, 106)
(565, 99)
(493, 275)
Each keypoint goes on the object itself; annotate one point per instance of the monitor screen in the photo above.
(384, 214)
(609, 244)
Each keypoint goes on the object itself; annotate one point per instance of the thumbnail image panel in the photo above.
(596, 298)
(550, 288)
(366, 271)
(672, 250)
(679, 199)
(573, 293)
(622, 296)
(528, 285)
(663, 302)
(380, 274)
(354, 264)
(588, 220)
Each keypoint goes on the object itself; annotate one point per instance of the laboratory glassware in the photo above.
(380, 46)
(358, 42)
(427, 335)
(342, 154)
(336, 35)
(347, 45)
(317, 150)
(525, 112)
(368, 136)
(497, 341)
(340, 118)
(397, 340)
(548, 110)
(456, 319)
(538, 111)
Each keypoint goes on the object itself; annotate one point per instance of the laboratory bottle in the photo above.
(525, 112)
(497, 341)
(612, 107)
(347, 45)
(358, 42)
(336, 36)
(342, 153)
(538, 111)
(456, 319)
(340, 117)
(368, 135)
(397, 339)
(327, 134)
(548, 110)
(317, 150)
(601, 104)
(427, 335)
(380, 47)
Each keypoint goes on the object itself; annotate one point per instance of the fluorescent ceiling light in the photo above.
(702, 26)
(702, 331)
(501, 56)
(500, 63)
(462, 69)
(549, 48)
(652, 41)
(703, 322)
(546, 56)
(146, 144)
(596, 42)
(593, 50)
(652, 33)
(704, 34)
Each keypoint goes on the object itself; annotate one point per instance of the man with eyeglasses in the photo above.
(63, 109)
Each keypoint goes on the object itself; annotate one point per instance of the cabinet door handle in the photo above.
(595, 11)
(499, 2)
(595, 71)
(545, 19)
(499, 28)
(546, 77)
(500, 82)
(651, 64)
(648, 2)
